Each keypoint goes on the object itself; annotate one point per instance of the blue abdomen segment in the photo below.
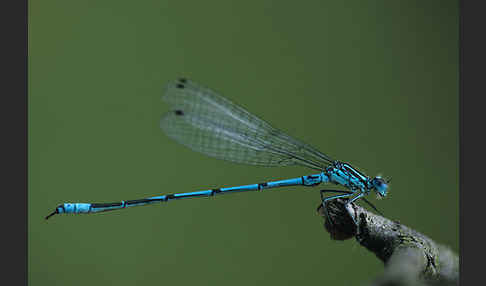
(74, 208)
(82, 208)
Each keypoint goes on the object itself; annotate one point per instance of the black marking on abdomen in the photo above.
(261, 186)
(170, 197)
(106, 205)
(183, 80)
(215, 191)
(193, 195)
(179, 112)
(180, 85)
(133, 202)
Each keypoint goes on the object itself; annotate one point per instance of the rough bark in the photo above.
(410, 257)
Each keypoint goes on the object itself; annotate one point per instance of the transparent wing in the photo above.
(211, 124)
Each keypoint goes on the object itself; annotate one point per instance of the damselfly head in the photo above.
(380, 186)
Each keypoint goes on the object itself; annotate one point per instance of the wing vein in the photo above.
(210, 124)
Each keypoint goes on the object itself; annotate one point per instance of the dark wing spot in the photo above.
(179, 112)
(179, 85)
(183, 80)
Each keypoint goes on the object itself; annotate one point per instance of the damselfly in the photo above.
(206, 122)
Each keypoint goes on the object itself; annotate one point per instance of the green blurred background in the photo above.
(373, 83)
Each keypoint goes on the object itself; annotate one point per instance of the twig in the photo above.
(410, 257)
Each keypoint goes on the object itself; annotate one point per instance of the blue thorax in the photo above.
(346, 175)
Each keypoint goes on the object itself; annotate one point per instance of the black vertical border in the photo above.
(472, 128)
(461, 139)
(13, 116)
